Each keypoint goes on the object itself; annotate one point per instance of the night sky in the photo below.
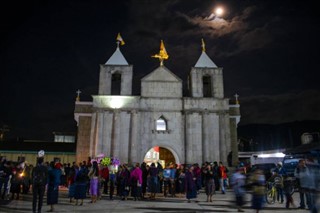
(269, 51)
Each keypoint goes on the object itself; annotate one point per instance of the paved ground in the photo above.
(221, 203)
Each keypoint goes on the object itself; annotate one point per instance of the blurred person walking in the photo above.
(258, 182)
(302, 173)
(238, 181)
(288, 189)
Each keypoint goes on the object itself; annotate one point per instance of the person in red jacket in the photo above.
(223, 177)
(105, 177)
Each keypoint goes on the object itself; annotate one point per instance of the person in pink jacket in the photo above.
(136, 182)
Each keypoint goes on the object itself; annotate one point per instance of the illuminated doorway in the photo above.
(161, 155)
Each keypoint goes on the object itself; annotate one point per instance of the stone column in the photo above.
(93, 134)
(222, 136)
(113, 133)
(107, 132)
(205, 137)
(96, 134)
(188, 139)
(234, 141)
(83, 138)
(197, 138)
(132, 148)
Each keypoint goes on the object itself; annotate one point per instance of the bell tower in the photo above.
(116, 74)
(206, 79)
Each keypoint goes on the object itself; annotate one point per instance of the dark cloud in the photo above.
(282, 108)
(268, 50)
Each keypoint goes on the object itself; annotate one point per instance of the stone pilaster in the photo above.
(188, 139)
(222, 136)
(83, 138)
(107, 132)
(133, 145)
(234, 141)
(205, 137)
(113, 144)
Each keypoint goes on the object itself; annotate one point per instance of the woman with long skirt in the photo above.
(71, 182)
(181, 180)
(153, 176)
(136, 182)
(145, 170)
(209, 184)
(94, 181)
(190, 185)
(80, 190)
(54, 174)
(124, 182)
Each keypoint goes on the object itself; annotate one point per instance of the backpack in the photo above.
(277, 181)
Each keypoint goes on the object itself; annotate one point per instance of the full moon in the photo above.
(219, 11)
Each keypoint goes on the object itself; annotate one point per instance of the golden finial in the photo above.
(120, 40)
(203, 45)
(162, 55)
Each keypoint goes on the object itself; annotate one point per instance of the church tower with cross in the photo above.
(160, 125)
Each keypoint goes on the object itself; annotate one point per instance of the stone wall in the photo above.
(83, 142)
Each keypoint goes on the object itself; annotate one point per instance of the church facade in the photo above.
(195, 129)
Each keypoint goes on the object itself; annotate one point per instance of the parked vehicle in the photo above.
(267, 169)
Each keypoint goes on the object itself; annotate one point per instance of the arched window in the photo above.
(161, 124)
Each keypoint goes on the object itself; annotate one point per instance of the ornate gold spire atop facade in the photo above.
(120, 40)
(203, 45)
(162, 55)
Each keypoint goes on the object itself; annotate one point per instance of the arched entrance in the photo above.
(160, 154)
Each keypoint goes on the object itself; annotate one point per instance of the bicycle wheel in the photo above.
(271, 196)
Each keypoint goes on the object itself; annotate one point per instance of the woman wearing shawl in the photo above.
(145, 171)
(190, 185)
(136, 182)
(54, 174)
(80, 186)
(124, 182)
(153, 175)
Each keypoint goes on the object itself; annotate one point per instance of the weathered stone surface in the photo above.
(198, 128)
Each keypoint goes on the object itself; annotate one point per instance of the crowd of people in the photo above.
(144, 181)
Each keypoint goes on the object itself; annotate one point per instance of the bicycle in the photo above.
(271, 193)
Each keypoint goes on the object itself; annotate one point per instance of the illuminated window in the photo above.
(161, 124)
